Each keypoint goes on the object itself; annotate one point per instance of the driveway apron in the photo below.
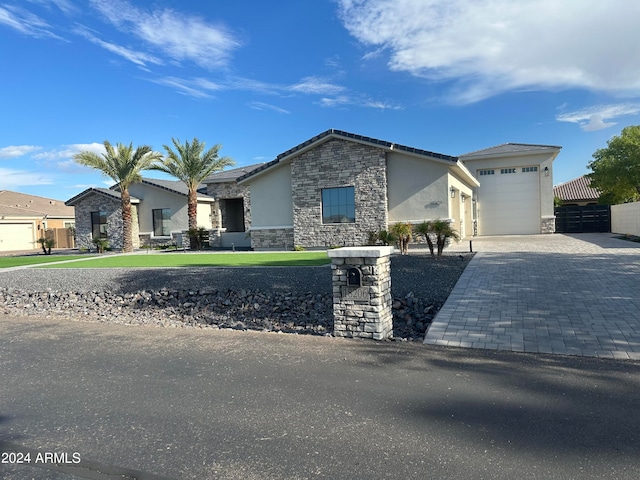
(563, 294)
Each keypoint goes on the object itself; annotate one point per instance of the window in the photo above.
(487, 172)
(507, 170)
(338, 205)
(161, 220)
(529, 169)
(98, 225)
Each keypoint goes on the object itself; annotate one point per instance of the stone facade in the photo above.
(548, 224)
(362, 311)
(272, 239)
(338, 163)
(102, 203)
(226, 190)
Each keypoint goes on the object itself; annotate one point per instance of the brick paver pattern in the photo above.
(560, 294)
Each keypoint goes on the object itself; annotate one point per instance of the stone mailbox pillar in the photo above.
(362, 292)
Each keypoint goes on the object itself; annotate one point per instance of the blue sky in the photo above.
(261, 77)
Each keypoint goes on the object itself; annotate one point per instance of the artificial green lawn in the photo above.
(181, 259)
(6, 262)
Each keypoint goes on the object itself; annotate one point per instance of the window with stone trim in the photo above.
(161, 222)
(98, 225)
(338, 205)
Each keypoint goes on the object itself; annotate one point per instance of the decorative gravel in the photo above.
(286, 299)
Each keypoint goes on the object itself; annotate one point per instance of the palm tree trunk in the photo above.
(127, 242)
(192, 211)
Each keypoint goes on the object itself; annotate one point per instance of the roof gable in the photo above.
(107, 192)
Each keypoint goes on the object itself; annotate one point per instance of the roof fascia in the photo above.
(481, 156)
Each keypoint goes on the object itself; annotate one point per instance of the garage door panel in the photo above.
(16, 236)
(509, 204)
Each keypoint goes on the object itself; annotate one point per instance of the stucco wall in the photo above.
(417, 189)
(625, 218)
(338, 163)
(154, 198)
(272, 201)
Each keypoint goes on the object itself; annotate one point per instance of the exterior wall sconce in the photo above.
(463, 197)
(453, 192)
(546, 171)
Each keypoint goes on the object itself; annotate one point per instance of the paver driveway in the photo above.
(565, 294)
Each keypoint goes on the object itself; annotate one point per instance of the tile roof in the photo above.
(350, 136)
(21, 204)
(231, 175)
(507, 148)
(175, 186)
(576, 189)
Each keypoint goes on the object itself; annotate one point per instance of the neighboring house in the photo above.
(24, 219)
(99, 215)
(577, 192)
(159, 213)
(515, 195)
(337, 187)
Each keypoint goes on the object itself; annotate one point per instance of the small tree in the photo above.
(196, 237)
(403, 232)
(440, 230)
(425, 229)
(47, 244)
(616, 169)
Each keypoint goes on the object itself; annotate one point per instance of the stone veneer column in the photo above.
(362, 309)
(549, 224)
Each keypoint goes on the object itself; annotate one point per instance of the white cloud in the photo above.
(197, 88)
(139, 58)
(64, 5)
(13, 151)
(357, 101)
(486, 47)
(10, 179)
(25, 22)
(266, 106)
(181, 37)
(595, 117)
(317, 86)
(68, 151)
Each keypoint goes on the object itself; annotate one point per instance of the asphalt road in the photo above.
(147, 402)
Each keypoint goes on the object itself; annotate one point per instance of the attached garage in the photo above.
(515, 196)
(16, 236)
(509, 201)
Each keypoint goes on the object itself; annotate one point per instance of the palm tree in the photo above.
(191, 164)
(403, 232)
(123, 164)
(441, 229)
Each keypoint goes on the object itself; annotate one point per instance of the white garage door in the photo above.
(509, 201)
(16, 236)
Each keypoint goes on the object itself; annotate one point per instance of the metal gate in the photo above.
(588, 219)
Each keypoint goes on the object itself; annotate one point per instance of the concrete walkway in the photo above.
(564, 294)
